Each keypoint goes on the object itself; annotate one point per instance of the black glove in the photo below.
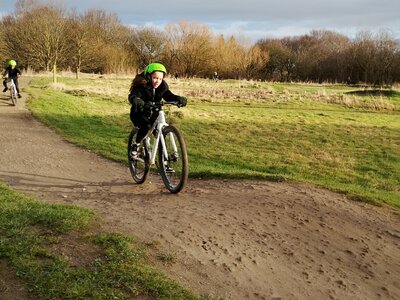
(182, 101)
(138, 104)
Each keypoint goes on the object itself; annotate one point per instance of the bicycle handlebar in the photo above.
(152, 104)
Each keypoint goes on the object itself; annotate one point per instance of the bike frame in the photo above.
(13, 89)
(159, 124)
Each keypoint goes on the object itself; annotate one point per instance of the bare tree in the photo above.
(84, 43)
(318, 56)
(281, 59)
(172, 47)
(253, 62)
(231, 57)
(147, 44)
(190, 44)
(385, 58)
(3, 49)
(233, 60)
(9, 41)
(40, 37)
(323, 53)
(363, 52)
(114, 38)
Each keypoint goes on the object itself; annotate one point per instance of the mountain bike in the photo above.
(166, 142)
(13, 92)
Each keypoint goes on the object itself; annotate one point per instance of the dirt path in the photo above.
(232, 239)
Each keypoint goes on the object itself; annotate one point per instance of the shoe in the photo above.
(168, 169)
(134, 150)
(19, 96)
(5, 90)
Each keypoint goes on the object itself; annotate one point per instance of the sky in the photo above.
(253, 19)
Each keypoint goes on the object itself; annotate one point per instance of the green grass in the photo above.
(53, 249)
(338, 137)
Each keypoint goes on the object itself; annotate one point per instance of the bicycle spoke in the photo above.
(173, 166)
(138, 160)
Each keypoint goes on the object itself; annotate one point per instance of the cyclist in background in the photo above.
(11, 72)
(149, 86)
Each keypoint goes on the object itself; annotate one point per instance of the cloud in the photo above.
(255, 18)
(266, 18)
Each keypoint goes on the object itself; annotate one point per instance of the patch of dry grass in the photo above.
(371, 103)
(87, 90)
(266, 93)
(233, 91)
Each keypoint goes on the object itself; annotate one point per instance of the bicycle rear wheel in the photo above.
(139, 163)
(174, 168)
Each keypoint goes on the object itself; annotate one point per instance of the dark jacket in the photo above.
(143, 89)
(12, 73)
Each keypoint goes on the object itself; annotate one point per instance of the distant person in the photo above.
(11, 72)
(215, 76)
(349, 81)
(149, 86)
(176, 76)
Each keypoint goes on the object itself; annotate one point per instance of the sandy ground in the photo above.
(232, 239)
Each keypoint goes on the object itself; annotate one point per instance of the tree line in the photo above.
(48, 38)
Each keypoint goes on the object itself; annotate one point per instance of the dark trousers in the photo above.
(15, 82)
(143, 121)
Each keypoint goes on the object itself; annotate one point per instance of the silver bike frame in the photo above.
(13, 88)
(160, 123)
(13, 92)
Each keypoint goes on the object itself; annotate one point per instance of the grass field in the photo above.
(343, 138)
(57, 252)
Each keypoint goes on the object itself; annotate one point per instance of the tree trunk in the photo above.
(78, 68)
(54, 73)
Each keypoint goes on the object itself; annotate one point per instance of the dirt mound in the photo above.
(233, 239)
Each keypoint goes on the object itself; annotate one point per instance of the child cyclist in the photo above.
(149, 86)
(11, 72)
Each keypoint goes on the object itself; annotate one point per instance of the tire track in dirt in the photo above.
(237, 239)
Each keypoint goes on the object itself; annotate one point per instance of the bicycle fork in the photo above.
(160, 123)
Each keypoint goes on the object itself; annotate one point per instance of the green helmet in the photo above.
(154, 67)
(12, 63)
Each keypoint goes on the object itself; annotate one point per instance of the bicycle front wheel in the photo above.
(13, 94)
(138, 161)
(174, 167)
